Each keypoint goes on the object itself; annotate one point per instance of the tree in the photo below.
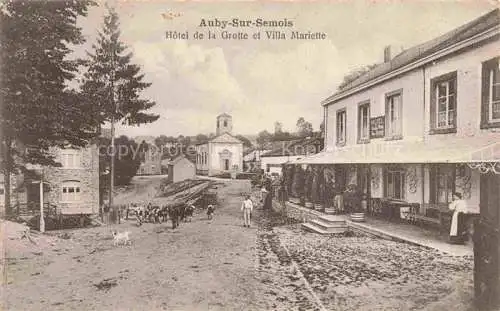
(304, 128)
(278, 128)
(38, 111)
(126, 161)
(161, 141)
(353, 75)
(246, 142)
(113, 84)
(263, 137)
(201, 138)
(283, 136)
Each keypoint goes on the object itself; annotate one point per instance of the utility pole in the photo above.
(113, 102)
(42, 220)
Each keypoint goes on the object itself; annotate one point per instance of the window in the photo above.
(490, 108)
(394, 183)
(363, 122)
(71, 158)
(225, 123)
(394, 116)
(71, 191)
(442, 183)
(2, 192)
(444, 104)
(341, 127)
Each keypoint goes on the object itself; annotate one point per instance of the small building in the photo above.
(150, 161)
(181, 168)
(223, 153)
(251, 159)
(72, 188)
(272, 161)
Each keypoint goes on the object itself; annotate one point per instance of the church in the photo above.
(221, 154)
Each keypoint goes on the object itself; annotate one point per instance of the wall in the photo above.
(200, 166)
(412, 99)
(184, 169)
(87, 175)
(468, 66)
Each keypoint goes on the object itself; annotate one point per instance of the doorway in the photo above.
(226, 164)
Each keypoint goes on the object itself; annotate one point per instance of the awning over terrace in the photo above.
(442, 150)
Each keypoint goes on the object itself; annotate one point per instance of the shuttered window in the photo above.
(443, 108)
(394, 115)
(490, 106)
(341, 126)
(363, 122)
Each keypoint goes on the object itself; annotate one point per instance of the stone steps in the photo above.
(327, 224)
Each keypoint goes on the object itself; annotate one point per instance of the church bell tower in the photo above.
(224, 124)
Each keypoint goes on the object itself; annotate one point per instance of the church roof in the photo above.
(226, 138)
(224, 115)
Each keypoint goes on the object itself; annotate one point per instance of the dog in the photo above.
(121, 238)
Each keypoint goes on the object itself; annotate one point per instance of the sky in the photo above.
(259, 82)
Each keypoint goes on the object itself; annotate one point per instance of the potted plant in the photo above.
(289, 180)
(309, 177)
(317, 188)
(355, 199)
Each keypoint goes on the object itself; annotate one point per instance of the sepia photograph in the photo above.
(250, 155)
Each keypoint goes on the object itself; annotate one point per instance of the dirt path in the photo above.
(203, 265)
(141, 189)
(220, 265)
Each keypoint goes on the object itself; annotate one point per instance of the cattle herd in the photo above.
(158, 214)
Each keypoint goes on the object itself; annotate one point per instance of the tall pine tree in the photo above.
(37, 110)
(112, 83)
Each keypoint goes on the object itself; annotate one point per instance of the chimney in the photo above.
(387, 54)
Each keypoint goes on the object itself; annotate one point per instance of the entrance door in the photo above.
(340, 175)
(226, 164)
(486, 243)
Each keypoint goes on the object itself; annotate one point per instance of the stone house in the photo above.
(72, 188)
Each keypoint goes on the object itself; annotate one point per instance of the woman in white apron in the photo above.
(459, 207)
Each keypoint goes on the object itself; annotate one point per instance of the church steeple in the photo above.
(224, 124)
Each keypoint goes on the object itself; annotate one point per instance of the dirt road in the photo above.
(220, 265)
(203, 265)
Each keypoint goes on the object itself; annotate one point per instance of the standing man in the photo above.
(247, 208)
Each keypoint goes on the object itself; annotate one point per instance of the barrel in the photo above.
(358, 217)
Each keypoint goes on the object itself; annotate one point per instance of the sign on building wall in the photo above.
(377, 127)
